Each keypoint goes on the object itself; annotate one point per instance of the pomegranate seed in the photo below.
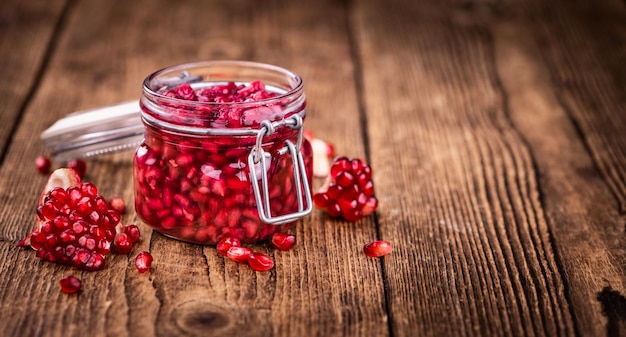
(238, 254)
(260, 262)
(122, 243)
(118, 204)
(377, 248)
(133, 232)
(348, 191)
(79, 166)
(143, 261)
(43, 164)
(224, 245)
(70, 284)
(284, 241)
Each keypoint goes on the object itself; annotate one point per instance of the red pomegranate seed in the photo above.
(377, 248)
(122, 243)
(79, 166)
(132, 231)
(239, 254)
(70, 284)
(260, 262)
(284, 241)
(224, 245)
(143, 261)
(118, 204)
(43, 164)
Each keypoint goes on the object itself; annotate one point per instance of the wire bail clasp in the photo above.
(258, 156)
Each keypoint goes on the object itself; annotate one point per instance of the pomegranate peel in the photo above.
(322, 154)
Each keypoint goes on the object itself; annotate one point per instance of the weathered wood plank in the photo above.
(564, 71)
(26, 32)
(467, 211)
(326, 286)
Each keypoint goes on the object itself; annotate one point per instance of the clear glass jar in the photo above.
(207, 170)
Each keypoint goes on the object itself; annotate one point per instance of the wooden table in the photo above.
(496, 131)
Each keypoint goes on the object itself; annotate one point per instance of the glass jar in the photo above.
(206, 171)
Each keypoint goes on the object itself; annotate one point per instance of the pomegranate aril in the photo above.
(118, 204)
(122, 243)
(377, 248)
(43, 164)
(260, 262)
(224, 245)
(284, 241)
(143, 261)
(132, 231)
(78, 165)
(70, 284)
(238, 254)
(89, 190)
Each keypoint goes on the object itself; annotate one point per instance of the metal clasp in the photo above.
(258, 156)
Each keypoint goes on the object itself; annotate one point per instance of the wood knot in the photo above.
(200, 318)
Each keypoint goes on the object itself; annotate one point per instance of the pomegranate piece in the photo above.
(377, 248)
(284, 241)
(122, 243)
(322, 154)
(260, 262)
(78, 165)
(143, 261)
(348, 191)
(74, 224)
(43, 164)
(239, 254)
(118, 204)
(224, 245)
(70, 284)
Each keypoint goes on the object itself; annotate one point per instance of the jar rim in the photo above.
(181, 68)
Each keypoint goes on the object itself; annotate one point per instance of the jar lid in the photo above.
(103, 130)
(94, 132)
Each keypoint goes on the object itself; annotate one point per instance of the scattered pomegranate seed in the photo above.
(78, 165)
(348, 191)
(284, 241)
(118, 204)
(74, 224)
(132, 231)
(239, 254)
(43, 164)
(122, 243)
(143, 261)
(260, 262)
(70, 284)
(377, 248)
(224, 245)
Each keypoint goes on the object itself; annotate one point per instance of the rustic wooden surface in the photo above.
(495, 130)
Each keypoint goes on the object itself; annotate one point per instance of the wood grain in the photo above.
(472, 210)
(494, 128)
(325, 287)
(27, 32)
